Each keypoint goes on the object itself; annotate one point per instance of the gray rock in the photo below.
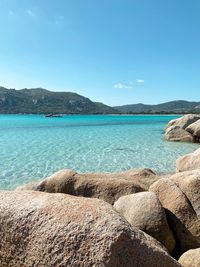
(144, 211)
(41, 229)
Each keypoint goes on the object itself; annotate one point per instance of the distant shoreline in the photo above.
(76, 114)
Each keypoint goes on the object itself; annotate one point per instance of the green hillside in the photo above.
(179, 106)
(41, 101)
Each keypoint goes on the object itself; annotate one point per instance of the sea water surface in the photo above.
(33, 146)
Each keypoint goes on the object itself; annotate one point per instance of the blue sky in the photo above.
(113, 51)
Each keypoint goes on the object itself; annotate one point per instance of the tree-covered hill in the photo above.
(179, 106)
(41, 101)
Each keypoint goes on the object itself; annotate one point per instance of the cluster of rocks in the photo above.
(134, 218)
(185, 129)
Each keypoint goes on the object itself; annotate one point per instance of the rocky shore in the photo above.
(185, 129)
(134, 218)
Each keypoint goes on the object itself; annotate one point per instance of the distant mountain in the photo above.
(176, 107)
(42, 101)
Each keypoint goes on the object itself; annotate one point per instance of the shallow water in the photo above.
(32, 146)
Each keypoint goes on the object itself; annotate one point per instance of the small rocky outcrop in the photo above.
(144, 211)
(175, 133)
(41, 229)
(194, 129)
(185, 129)
(106, 186)
(181, 215)
(191, 258)
(184, 121)
(189, 162)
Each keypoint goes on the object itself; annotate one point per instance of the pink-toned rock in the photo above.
(179, 129)
(194, 129)
(184, 121)
(189, 162)
(189, 183)
(181, 216)
(41, 229)
(175, 133)
(144, 211)
(106, 186)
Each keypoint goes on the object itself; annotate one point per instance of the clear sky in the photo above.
(113, 51)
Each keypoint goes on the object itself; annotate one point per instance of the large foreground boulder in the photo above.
(106, 186)
(191, 258)
(189, 162)
(144, 211)
(181, 216)
(41, 229)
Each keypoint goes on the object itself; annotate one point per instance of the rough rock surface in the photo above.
(106, 186)
(184, 121)
(175, 133)
(194, 129)
(41, 229)
(144, 211)
(181, 129)
(189, 183)
(181, 216)
(189, 162)
(191, 258)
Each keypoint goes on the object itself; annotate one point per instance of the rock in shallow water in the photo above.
(144, 211)
(175, 133)
(194, 129)
(184, 121)
(41, 229)
(179, 129)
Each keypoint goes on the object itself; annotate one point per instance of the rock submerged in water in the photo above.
(42, 229)
(106, 186)
(185, 129)
(144, 211)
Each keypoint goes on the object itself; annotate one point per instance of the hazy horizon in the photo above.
(115, 52)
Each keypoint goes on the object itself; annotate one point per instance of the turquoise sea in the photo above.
(33, 147)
